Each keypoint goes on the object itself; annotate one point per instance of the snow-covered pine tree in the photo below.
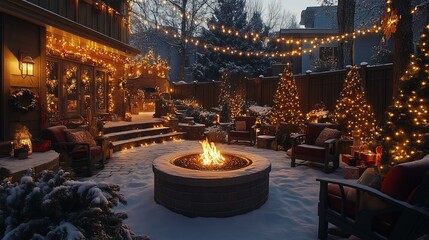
(352, 112)
(409, 114)
(230, 14)
(286, 101)
(55, 207)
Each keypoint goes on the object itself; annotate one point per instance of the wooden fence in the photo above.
(313, 88)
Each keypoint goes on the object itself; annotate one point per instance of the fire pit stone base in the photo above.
(211, 193)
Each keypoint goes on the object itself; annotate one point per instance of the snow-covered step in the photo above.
(136, 133)
(127, 126)
(133, 142)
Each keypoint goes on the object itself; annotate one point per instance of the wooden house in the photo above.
(65, 56)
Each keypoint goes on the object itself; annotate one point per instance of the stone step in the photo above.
(123, 135)
(127, 126)
(134, 142)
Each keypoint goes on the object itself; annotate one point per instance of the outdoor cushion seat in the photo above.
(80, 149)
(309, 150)
(95, 152)
(319, 144)
(396, 211)
(243, 129)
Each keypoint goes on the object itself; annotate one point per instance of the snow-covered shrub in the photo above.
(319, 113)
(261, 113)
(208, 118)
(216, 134)
(54, 207)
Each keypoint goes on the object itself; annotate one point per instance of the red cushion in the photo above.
(55, 134)
(334, 200)
(403, 178)
(239, 134)
(95, 152)
(314, 129)
(310, 151)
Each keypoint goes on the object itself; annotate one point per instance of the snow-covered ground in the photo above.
(289, 213)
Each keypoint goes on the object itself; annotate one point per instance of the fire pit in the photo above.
(211, 184)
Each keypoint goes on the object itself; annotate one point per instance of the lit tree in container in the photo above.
(352, 112)
(407, 117)
(286, 101)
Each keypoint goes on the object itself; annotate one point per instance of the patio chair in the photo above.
(243, 130)
(399, 210)
(76, 145)
(318, 144)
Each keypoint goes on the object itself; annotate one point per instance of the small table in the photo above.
(39, 161)
(194, 131)
(265, 141)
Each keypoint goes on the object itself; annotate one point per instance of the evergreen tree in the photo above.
(55, 207)
(352, 112)
(406, 118)
(232, 96)
(230, 14)
(286, 101)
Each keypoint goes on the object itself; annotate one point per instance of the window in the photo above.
(326, 53)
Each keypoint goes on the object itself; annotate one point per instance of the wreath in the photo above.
(23, 100)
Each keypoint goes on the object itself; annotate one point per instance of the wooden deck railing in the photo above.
(97, 15)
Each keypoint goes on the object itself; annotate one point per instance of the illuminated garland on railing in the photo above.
(86, 54)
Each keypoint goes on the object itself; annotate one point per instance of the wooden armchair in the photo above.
(319, 144)
(243, 130)
(399, 210)
(76, 145)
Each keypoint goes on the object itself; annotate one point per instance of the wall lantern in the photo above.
(26, 65)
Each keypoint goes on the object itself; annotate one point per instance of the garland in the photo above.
(23, 100)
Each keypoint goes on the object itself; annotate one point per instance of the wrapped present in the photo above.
(345, 158)
(367, 157)
(351, 172)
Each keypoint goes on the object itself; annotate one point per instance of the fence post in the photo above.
(259, 89)
(195, 91)
(363, 72)
(308, 100)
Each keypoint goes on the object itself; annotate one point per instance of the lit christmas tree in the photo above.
(232, 96)
(352, 112)
(286, 101)
(407, 117)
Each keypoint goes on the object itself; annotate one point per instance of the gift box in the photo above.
(41, 146)
(367, 157)
(345, 158)
(351, 172)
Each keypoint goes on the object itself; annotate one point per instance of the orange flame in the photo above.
(210, 155)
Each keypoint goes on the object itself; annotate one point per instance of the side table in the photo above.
(104, 143)
(265, 141)
(194, 131)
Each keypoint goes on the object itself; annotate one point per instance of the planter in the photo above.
(21, 155)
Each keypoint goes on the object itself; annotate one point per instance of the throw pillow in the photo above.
(76, 136)
(89, 139)
(371, 179)
(325, 134)
(240, 125)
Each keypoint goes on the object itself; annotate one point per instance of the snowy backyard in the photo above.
(289, 213)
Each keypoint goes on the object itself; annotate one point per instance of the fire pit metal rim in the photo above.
(164, 164)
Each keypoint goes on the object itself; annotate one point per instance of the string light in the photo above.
(403, 132)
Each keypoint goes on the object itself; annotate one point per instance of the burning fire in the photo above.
(210, 155)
